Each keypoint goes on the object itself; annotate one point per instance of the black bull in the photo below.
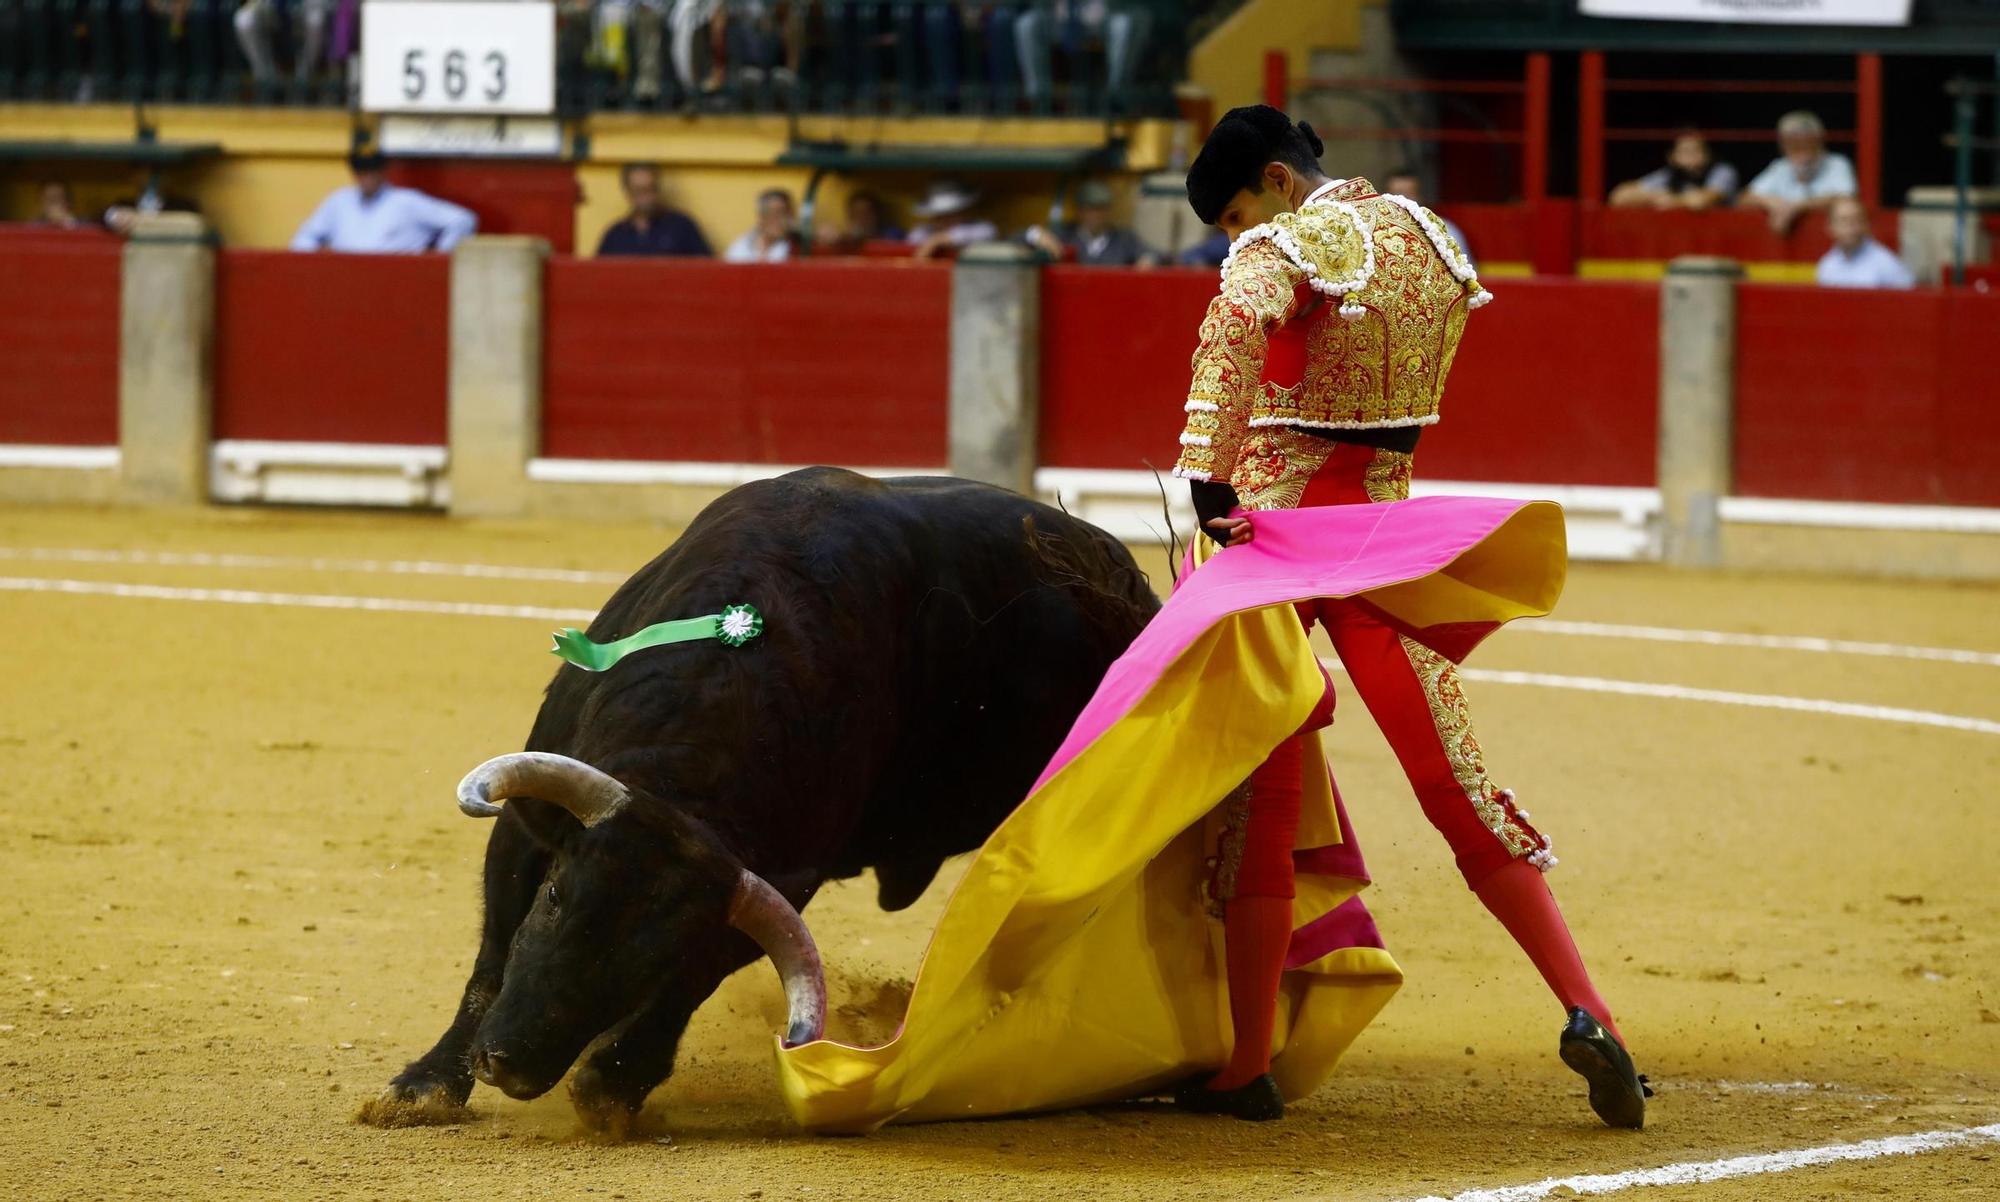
(927, 644)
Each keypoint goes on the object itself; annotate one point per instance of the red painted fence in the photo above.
(1531, 397)
(836, 361)
(1868, 396)
(58, 337)
(331, 348)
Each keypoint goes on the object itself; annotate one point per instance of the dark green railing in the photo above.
(1024, 57)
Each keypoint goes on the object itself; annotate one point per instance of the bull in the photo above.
(927, 644)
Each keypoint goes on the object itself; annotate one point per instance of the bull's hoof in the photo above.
(605, 1112)
(416, 1102)
(417, 1099)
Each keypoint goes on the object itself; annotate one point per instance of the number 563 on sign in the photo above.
(458, 56)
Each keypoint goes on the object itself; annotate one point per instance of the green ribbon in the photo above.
(733, 627)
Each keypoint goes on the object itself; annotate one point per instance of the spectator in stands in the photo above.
(1092, 239)
(375, 217)
(1806, 176)
(1070, 24)
(58, 207)
(867, 221)
(949, 223)
(256, 31)
(1691, 178)
(1857, 260)
(650, 227)
(1209, 252)
(1404, 181)
(773, 239)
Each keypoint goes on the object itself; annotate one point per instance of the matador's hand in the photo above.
(1232, 532)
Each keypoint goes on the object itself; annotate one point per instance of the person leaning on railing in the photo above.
(649, 227)
(1807, 176)
(1691, 178)
(1856, 259)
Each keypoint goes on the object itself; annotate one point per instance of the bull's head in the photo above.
(633, 888)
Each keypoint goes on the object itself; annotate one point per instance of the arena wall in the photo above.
(661, 382)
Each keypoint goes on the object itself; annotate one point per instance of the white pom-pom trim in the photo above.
(1544, 859)
(1447, 247)
(1185, 473)
(1202, 407)
(1197, 440)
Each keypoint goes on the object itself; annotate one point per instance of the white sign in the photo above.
(458, 56)
(1756, 12)
(483, 137)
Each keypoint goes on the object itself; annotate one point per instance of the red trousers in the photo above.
(1414, 696)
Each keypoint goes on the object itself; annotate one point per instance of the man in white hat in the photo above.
(948, 223)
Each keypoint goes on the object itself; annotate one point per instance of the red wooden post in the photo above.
(1535, 129)
(1868, 127)
(1590, 127)
(1277, 79)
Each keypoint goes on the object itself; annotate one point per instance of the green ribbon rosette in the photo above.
(733, 627)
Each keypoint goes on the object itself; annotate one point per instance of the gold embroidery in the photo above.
(1453, 718)
(1229, 363)
(1276, 465)
(1229, 848)
(1387, 476)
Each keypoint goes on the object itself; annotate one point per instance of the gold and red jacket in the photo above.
(1343, 315)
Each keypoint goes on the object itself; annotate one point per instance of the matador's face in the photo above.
(1280, 190)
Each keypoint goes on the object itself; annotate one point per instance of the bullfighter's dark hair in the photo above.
(1236, 151)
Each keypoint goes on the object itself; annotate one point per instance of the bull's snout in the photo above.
(490, 1065)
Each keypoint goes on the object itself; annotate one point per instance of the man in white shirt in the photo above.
(375, 217)
(1806, 176)
(948, 222)
(1857, 260)
(773, 239)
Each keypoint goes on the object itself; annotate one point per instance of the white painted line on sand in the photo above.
(1588, 684)
(230, 596)
(1675, 692)
(395, 567)
(1775, 642)
(1701, 1172)
(1769, 701)
(497, 571)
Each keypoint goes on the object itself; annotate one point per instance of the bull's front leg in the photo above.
(630, 1060)
(433, 1088)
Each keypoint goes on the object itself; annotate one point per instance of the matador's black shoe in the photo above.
(1257, 1102)
(1617, 1092)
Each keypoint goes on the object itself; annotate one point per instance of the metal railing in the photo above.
(994, 57)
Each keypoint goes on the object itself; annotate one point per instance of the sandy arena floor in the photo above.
(240, 898)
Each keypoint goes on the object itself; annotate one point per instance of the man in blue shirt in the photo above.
(651, 228)
(1857, 260)
(1805, 176)
(375, 217)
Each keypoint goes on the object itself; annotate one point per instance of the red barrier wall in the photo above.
(837, 361)
(1556, 382)
(1867, 396)
(58, 337)
(1496, 233)
(1531, 397)
(1736, 233)
(331, 348)
(509, 198)
(1115, 351)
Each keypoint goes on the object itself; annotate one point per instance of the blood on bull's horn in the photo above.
(574, 785)
(762, 913)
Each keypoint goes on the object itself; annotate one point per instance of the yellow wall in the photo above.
(1229, 63)
(277, 164)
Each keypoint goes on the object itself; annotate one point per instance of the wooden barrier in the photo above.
(58, 337)
(331, 348)
(1868, 396)
(835, 361)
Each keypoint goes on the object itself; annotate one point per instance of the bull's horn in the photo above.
(762, 913)
(574, 785)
